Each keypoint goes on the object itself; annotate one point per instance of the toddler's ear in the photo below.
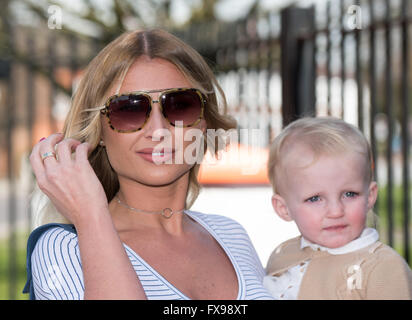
(279, 204)
(372, 194)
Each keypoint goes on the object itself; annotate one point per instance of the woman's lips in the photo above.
(157, 156)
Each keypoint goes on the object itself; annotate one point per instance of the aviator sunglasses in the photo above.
(129, 112)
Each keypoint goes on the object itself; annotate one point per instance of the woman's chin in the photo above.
(160, 178)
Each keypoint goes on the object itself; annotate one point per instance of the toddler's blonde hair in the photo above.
(322, 136)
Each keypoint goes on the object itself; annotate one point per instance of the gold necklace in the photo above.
(166, 212)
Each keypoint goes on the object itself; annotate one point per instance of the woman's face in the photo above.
(152, 155)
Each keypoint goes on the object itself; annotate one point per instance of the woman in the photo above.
(128, 232)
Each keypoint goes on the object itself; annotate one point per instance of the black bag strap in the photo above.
(31, 243)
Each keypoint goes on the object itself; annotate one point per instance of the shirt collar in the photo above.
(367, 237)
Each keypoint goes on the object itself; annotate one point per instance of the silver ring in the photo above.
(48, 154)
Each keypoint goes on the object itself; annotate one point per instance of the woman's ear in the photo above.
(279, 204)
(372, 194)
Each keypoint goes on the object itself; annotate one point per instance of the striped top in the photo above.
(55, 270)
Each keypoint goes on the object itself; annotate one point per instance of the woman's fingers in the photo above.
(65, 148)
(82, 151)
(48, 150)
(43, 146)
(48, 144)
(70, 181)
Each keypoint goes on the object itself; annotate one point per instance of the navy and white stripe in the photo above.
(57, 272)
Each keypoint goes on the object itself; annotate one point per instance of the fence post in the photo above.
(297, 63)
(9, 29)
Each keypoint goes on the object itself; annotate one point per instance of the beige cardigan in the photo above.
(374, 272)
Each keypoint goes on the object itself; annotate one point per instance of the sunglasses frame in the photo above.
(106, 110)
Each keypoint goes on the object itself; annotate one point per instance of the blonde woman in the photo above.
(116, 223)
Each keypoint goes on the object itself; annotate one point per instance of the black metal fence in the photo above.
(350, 59)
(362, 49)
(36, 78)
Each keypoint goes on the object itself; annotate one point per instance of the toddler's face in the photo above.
(328, 200)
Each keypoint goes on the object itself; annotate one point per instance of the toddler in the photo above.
(321, 170)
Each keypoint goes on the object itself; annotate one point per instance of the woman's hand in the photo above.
(72, 185)
(68, 180)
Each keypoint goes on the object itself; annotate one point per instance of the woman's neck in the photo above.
(133, 194)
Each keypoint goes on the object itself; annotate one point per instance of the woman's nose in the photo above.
(156, 124)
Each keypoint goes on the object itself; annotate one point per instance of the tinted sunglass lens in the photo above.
(182, 106)
(129, 112)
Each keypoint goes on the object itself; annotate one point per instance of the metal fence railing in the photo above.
(350, 59)
(373, 54)
(35, 82)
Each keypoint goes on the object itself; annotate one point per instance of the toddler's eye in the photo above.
(313, 199)
(350, 194)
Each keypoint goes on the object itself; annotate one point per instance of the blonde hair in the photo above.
(110, 67)
(322, 135)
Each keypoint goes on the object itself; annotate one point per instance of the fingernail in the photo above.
(42, 139)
